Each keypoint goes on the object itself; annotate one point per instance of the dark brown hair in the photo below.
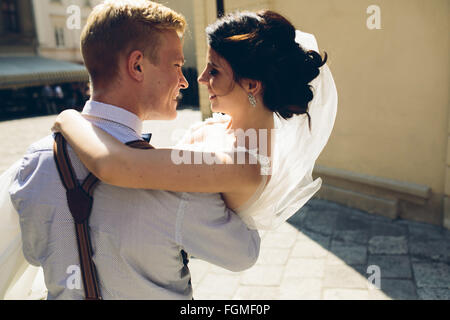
(261, 46)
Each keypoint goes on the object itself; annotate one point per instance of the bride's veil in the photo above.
(295, 152)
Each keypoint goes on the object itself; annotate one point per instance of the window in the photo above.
(59, 37)
(9, 14)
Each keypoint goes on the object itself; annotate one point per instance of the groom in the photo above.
(133, 52)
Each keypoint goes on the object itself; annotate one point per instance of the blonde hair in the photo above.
(118, 27)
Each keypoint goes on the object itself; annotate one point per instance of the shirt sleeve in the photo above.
(21, 198)
(208, 230)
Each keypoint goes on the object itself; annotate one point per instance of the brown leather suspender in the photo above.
(79, 199)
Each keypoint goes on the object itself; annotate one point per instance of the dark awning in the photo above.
(18, 72)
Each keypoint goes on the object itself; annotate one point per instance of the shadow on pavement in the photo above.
(413, 258)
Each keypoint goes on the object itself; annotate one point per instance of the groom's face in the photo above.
(164, 79)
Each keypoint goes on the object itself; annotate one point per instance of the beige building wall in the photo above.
(186, 8)
(22, 43)
(393, 99)
(205, 13)
(52, 14)
(390, 150)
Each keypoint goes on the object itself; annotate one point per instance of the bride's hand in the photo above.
(62, 118)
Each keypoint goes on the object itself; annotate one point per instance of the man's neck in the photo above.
(118, 100)
(96, 110)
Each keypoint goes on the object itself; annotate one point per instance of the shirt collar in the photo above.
(112, 113)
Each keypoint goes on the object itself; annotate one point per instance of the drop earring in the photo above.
(252, 100)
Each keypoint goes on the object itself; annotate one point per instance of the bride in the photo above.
(262, 75)
(269, 80)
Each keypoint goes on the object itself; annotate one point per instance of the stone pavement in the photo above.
(325, 251)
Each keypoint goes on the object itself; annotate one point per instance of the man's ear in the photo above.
(135, 65)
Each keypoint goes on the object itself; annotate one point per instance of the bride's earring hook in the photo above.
(252, 100)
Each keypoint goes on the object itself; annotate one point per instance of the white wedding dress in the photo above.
(295, 151)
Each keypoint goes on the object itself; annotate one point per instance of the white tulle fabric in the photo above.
(19, 280)
(294, 152)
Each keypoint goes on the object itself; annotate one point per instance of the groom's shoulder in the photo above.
(38, 155)
(44, 144)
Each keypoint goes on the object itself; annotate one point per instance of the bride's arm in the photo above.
(117, 164)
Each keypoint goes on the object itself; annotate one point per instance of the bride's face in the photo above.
(225, 95)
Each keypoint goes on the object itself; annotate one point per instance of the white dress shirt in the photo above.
(137, 235)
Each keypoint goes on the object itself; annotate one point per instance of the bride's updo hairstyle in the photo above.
(261, 46)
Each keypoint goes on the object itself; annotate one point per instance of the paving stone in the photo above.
(298, 219)
(344, 276)
(262, 275)
(345, 294)
(219, 284)
(322, 222)
(350, 254)
(399, 289)
(273, 256)
(287, 228)
(308, 249)
(304, 268)
(433, 293)
(219, 270)
(279, 240)
(426, 233)
(423, 231)
(26, 131)
(378, 228)
(201, 295)
(198, 269)
(322, 240)
(361, 269)
(377, 294)
(262, 234)
(418, 259)
(345, 222)
(388, 245)
(355, 213)
(257, 293)
(332, 259)
(301, 289)
(352, 236)
(446, 234)
(432, 274)
(435, 250)
(320, 204)
(316, 204)
(392, 266)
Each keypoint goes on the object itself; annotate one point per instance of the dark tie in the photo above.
(147, 137)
